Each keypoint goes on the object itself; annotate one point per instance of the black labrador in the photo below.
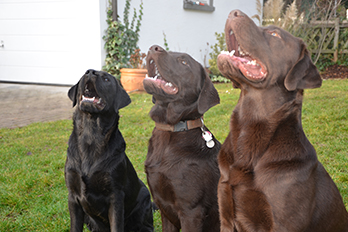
(104, 190)
(271, 179)
(181, 164)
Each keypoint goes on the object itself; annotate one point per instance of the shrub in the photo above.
(121, 39)
(217, 48)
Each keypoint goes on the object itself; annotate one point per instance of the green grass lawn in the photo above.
(33, 196)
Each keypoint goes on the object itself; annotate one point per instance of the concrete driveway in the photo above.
(21, 105)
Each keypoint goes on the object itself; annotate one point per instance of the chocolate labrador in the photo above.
(104, 190)
(271, 179)
(181, 164)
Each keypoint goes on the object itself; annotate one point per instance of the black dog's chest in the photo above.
(97, 183)
(92, 191)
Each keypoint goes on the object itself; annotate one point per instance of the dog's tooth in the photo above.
(241, 51)
(151, 61)
(231, 32)
(228, 53)
(252, 62)
(169, 84)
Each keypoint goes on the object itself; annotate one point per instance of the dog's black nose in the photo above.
(236, 13)
(90, 71)
(156, 48)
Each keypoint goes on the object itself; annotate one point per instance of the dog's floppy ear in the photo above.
(122, 97)
(304, 74)
(72, 94)
(208, 97)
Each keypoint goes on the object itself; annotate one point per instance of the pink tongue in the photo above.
(241, 59)
(250, 71)
(169, 89)
(254, 69)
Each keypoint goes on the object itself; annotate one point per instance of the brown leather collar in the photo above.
(180, 126)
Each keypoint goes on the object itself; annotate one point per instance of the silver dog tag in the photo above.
(207, 136)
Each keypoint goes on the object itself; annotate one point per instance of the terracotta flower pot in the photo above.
(132, 79)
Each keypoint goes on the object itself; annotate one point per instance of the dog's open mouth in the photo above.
(250, 67)
(90, 95)
(155, 76)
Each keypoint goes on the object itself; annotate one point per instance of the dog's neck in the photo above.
(261, 104)
(166, 112)
(94, 131)
(181, 126)
(254, 127)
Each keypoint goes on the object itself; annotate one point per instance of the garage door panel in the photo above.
(47, 43)
(38, 27)
(51, 41)
(53, 75)
(36, 9)
(37, 59)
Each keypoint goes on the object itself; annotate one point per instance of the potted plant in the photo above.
(132, 78)
(121, 43)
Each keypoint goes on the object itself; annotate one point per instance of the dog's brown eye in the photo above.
(275, 34)
(184, 62)
(106, 79)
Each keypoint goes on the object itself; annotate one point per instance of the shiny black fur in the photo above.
(104, 190)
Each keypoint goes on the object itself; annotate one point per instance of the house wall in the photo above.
(187, 31)
(51, 41)
(56, 41)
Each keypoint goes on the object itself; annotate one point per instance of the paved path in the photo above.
(21, 105)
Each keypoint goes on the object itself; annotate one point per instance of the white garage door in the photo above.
(50, 41)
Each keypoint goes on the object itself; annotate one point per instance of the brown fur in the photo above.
(182, 171)
(271, 179)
